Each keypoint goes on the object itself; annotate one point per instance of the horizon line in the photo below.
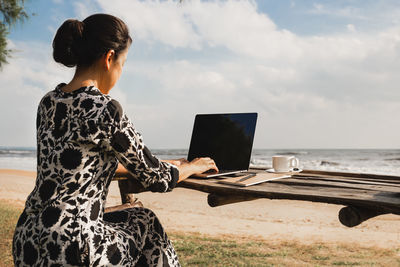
(255, 148)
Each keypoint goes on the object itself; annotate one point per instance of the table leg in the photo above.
(351, 216)
(127, 197)
(215, 200)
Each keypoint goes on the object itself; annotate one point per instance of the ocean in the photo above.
(373, 161)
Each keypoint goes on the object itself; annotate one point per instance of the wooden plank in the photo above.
(388, 201)
(354, 175)
(350, 179)
(338, 183)
(213, 185)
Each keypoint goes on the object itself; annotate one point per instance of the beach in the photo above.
(185, 210)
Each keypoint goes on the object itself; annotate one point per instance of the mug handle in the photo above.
(294, 162)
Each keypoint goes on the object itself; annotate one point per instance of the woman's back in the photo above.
(74, 170)
(71, 151)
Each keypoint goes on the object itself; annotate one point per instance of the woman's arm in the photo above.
(176, 162)
(121, 139)
(186, 168)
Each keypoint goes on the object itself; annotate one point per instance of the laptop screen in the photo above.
(226, 138)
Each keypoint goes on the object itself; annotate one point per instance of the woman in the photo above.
(82, 134)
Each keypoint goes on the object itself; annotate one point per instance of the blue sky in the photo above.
(321, 74)
(300, 17)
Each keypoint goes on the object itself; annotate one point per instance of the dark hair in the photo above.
(81, 43)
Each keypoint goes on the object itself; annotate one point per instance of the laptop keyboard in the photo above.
(222, 172)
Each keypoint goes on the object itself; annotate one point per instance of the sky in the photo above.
(320, 74)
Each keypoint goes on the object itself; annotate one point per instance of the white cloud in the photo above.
(351, 28)
(235, 25)
(331, 90)
(310, 80)
(163, 21)
(317, 8)
(345, 12)
(84, 8)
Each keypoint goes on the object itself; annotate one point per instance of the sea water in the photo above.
(374, 161)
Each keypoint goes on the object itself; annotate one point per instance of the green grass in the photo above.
(202, 250)
(8, 219)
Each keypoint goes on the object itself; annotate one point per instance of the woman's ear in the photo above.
(109, 58)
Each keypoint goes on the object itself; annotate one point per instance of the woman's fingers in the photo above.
(204, 164)
(183, 160)
(211, 164)
(214, 166)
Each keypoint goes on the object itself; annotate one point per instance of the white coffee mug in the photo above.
(284, 163)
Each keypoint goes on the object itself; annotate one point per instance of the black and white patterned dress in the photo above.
(81, 137)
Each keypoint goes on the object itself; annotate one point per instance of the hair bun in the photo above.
(66, 43)
(82, 43)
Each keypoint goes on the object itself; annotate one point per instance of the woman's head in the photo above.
(82, 43)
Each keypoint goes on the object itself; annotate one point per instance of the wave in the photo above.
(393, 159)
(363, 159)
(260, 162)
(292, 153)
(17, 153)
(329, 163)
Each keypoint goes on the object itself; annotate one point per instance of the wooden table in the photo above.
(363, 195)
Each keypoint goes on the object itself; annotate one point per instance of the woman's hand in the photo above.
(196, 166)
(200, 165)
(186, 168)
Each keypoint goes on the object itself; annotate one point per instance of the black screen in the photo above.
(226, 138)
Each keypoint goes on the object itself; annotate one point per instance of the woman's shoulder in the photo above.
(83, 100)
(114, 110)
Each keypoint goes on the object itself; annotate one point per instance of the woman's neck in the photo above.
(82, 78)
(77, 83)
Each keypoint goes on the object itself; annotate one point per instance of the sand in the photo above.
(274, 220)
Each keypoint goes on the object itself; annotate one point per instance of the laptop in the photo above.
(226, 138)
